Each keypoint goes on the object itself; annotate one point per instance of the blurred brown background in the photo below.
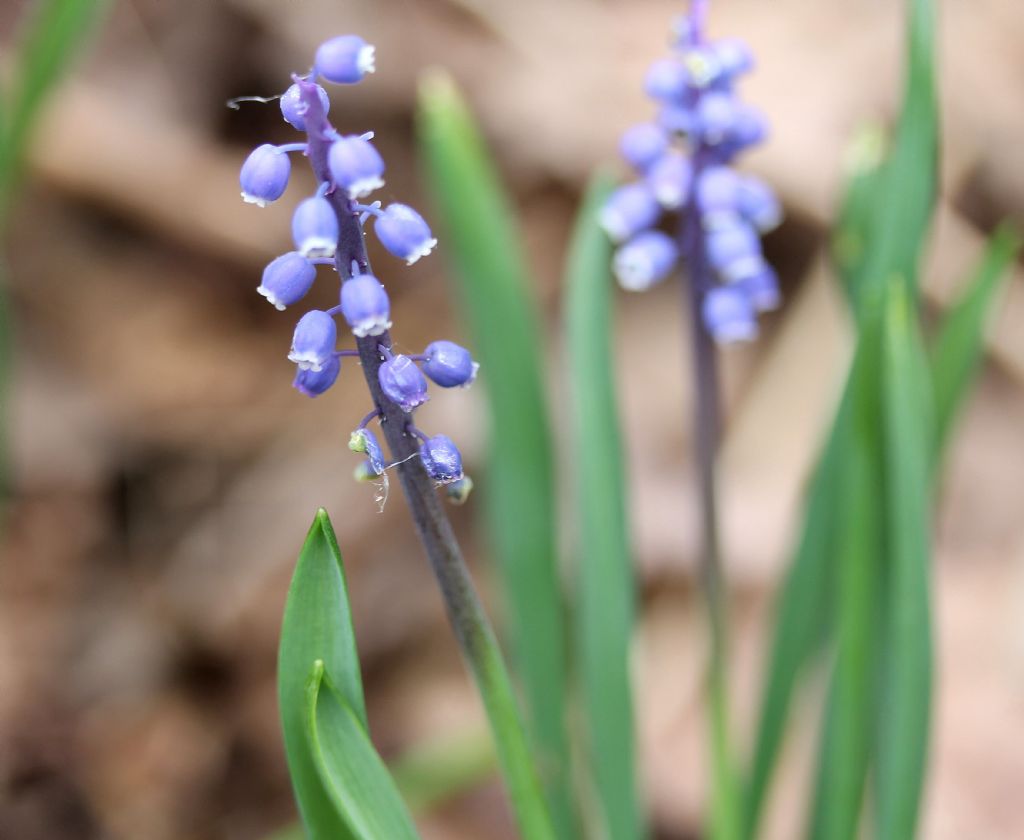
(165, 472)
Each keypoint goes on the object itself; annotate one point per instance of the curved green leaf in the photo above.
(350, 770)
(957, 349)
(317, 626)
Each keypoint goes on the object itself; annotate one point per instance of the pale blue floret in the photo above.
(758, 204)
(762, 289)
(403, 383)
(313, 383)
(449, 365)
(667, 80)
(404, 233)
(314, 340)
(629, 210)
(365, 305)
(717, 114)
(315, 228)
(345, 59)
(264, 175)
(734, 57)
(645, 260)
(293, 108)
(643, 144)
(287, 279)
(356, 166)
(670, 179)
(729, 315)
(442, 459)
(735, 251)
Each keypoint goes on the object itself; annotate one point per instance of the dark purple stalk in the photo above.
(462, 603)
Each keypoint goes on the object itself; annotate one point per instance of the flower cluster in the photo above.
(327, 229)
(683, 162)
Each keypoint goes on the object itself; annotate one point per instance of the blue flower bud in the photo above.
(749, 127)
(315, 228)
(666, 80)
(403, 383)
(355, 165)
(404, 233)
(735, 251)
(716, 116)
(702, 66)
(365, 305)
(758, 205)
(293, 107)
(762, 289)
(314, 340)
(363, 440)
(734, 57)
(729, 315)
(643, 144)
(718, 190)
(264, 175)
(313, 383)
(670, 179)
(345, 59)
(645, 260)
(680, 119)
(287, 279)
(629, 210)
(458, 491)
(449, 365)
(441, 459)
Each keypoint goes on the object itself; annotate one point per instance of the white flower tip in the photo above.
(424, 249)
(366, 61)
(317, 246)
(253, 199)
(371, 326)
(271, 297)
(364, 186)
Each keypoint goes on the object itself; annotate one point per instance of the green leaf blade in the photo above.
(605, 583)
(957, 349)
(905, 653)
(350, 770)
(518, 489)
(317, 625)
(845, 745)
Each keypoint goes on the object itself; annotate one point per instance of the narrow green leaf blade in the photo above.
(518, 488)
(905, 648)
(317, 626)
(958, 346)
(845, 743)
(604, 574)
(49, 42)
(352, 773)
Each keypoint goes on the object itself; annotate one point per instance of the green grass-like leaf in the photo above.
(904, 651)
(603, 569)
(48, 43)
(350, 770)
(317, 626)
(518, 489)
(846, 738)
(957, 349)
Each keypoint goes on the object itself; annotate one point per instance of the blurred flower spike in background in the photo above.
(683, 162)
(327, 229)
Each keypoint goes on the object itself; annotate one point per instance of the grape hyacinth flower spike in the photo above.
(684, 163)
(328, 229)
(713, 217)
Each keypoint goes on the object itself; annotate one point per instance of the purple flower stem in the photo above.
(462, 603)
(725, 797)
